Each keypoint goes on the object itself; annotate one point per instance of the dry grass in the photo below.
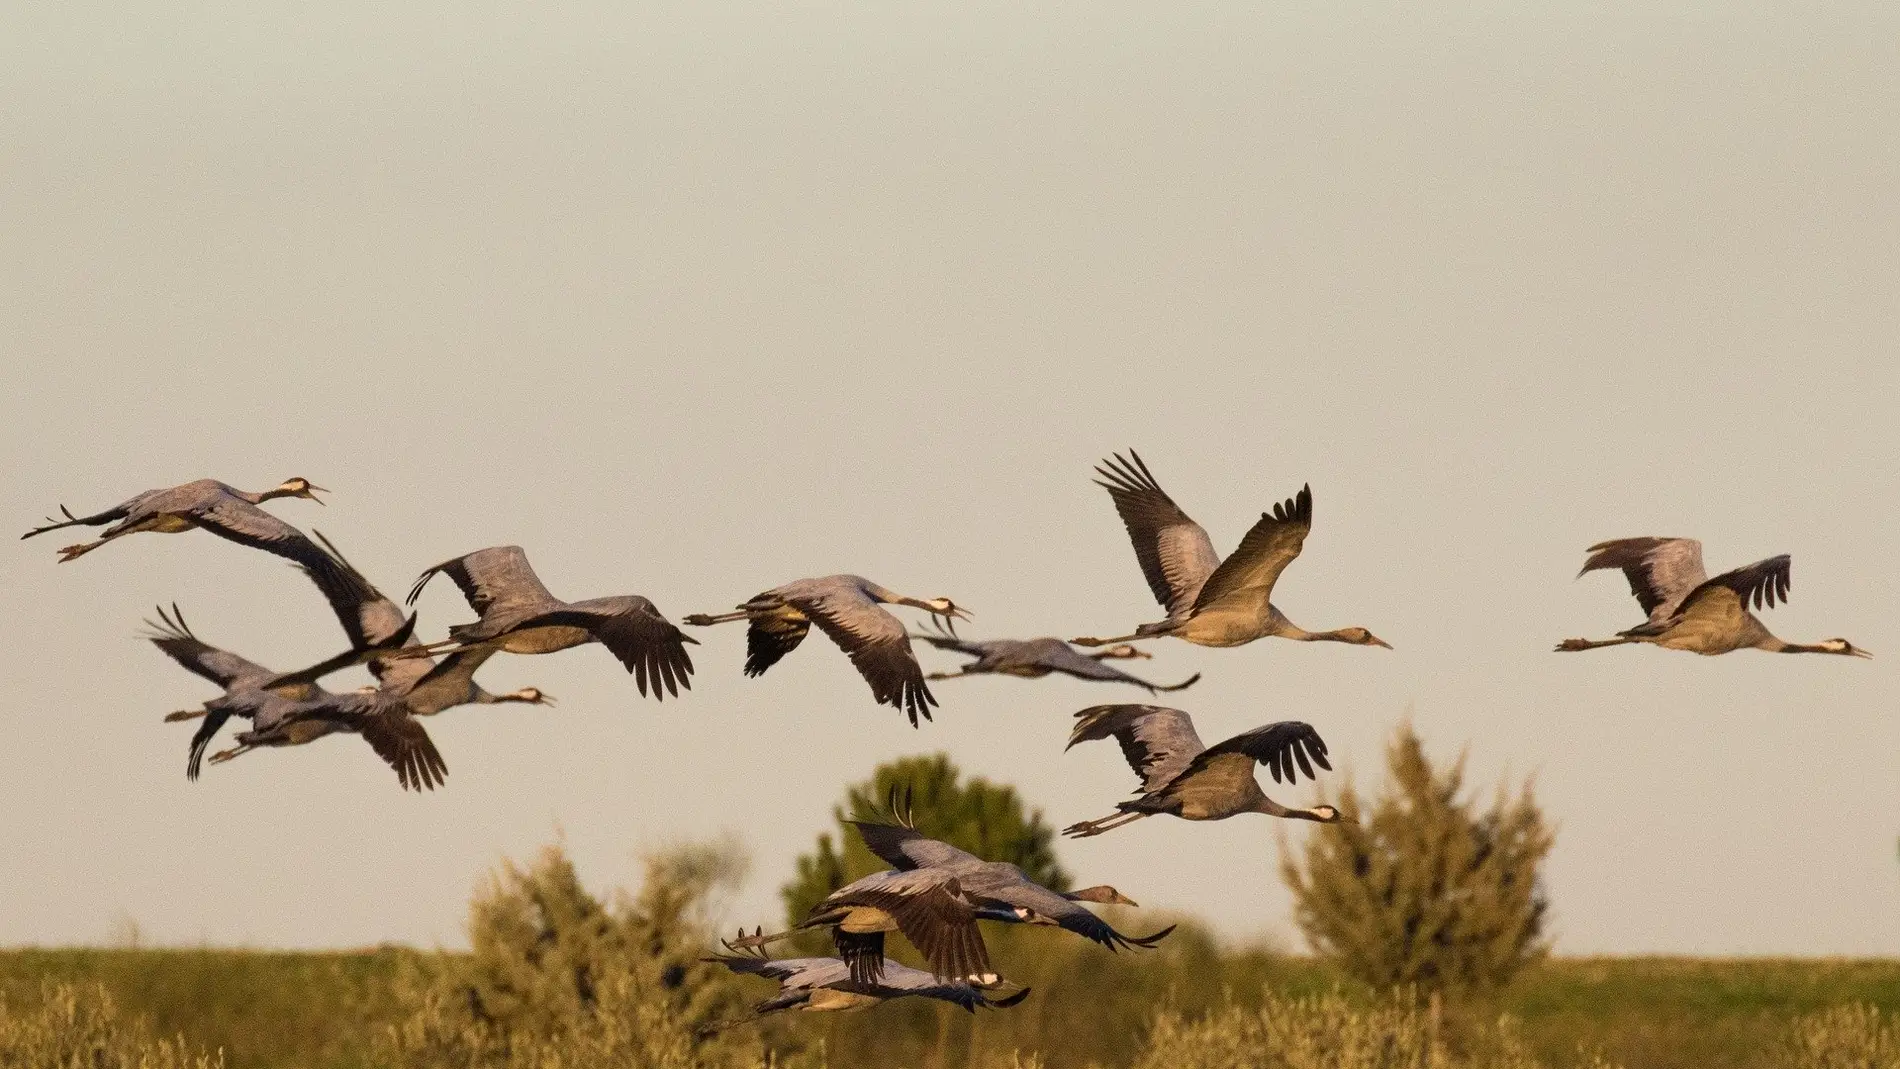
(80, 1027)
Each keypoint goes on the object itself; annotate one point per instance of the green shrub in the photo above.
(558, 978)
(1425, 890)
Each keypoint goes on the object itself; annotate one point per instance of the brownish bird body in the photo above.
(1182, 777)
(1690, 611)
(1210, 601)
(208, 504)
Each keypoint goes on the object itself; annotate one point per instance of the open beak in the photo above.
(959, 612)
(1858, 652)
(548, 699)
(310, 491)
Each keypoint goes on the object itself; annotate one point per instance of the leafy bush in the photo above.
(557, 978)
(79, 1027)
(1425, 890)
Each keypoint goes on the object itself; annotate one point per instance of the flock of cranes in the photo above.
(934, 893)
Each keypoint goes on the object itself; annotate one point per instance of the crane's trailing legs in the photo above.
(700, 619)
(183, 714)
(1096, 827)
(1572, 645)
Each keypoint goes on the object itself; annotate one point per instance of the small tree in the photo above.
(1425, 890)
(984, 818)
(557, 977)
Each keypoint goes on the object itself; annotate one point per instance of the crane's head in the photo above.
(298, 486)
(529, 695)
(1122, 652)
(1326, 814)
(1359, 636)
(1103, 894)
(1842, 646)
(946, 607)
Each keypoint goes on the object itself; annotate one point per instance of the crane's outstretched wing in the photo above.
(1071, 915)
(1661, 571)
(1058, 656)
(792, 973)
(495, 578)
(630, 627)
(877, 646)
(402, 742)
(1158, 742)
(200, 658)
(1175, 553)
(240, 521)
(905, 848)
(1278, 746)
(769, 636)
(946, 639)
(443, 684)
(1723, 600)
(372, 621)
(215, 718)
(1264, 553)
(929, 908)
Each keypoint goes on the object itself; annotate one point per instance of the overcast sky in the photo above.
(694, 299)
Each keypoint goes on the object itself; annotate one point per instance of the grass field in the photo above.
(321, 1010)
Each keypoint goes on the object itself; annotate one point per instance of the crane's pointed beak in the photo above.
(1858, 652)
(311, 490)
(1377, 641)
(959, 612)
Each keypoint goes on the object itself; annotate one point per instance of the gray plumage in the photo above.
(205, 504)
(848, 608)
(1687, 610)
(1002, 891)
(826, 984)
(1038, 657)
(519, 615)
(1183, 778)
(291, 714)
(928, 906)
(1210, 601)
(373, 622)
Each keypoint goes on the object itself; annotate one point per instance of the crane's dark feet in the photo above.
(223, 755)
(1572, 645)
(183, 714)
(77, 550)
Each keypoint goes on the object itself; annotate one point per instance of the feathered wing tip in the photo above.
(1006, 1001)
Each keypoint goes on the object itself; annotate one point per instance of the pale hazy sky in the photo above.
(693, 299)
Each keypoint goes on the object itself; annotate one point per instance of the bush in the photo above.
(557, 978)
(1425, 890)
(79, 1027)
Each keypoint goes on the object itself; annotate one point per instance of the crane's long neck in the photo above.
(260, 498)
(1775, 645)
(1274, 809)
